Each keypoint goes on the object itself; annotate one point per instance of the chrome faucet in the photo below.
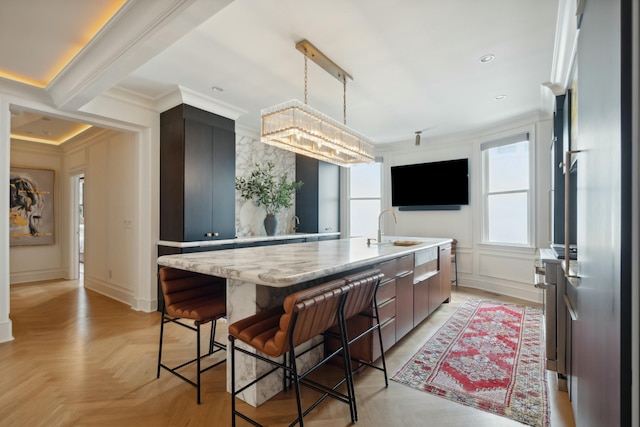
(395, 218)
(295, 220)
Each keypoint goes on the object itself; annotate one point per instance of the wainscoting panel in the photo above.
(507, 266)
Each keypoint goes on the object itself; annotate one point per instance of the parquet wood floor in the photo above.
(82, 359)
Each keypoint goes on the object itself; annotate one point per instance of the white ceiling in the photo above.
(415, 63)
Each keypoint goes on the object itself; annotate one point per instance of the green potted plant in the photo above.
(266, 189)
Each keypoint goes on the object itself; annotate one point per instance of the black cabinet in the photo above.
(197, 175)
(318, 201)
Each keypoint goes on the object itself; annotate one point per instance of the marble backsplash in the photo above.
(249, 217)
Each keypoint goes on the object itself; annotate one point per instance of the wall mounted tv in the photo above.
(440, 185)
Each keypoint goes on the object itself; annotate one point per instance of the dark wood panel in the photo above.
(307, 196)
(404, 305)
(420, 301)
(197, 175)
(171, 178)
(198, 181)
(223, 188)
(318, 201)
(434, 284)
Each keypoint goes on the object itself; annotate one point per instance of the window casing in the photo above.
(507, 191)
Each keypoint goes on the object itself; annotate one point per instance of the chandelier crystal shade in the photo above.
(295, 126)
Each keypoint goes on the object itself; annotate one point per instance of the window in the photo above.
(365, 199)
(507, 191)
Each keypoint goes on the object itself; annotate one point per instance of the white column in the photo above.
(5, 162)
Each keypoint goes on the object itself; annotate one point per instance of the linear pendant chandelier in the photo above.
(296, 127)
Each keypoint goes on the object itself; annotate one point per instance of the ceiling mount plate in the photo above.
(311, 52)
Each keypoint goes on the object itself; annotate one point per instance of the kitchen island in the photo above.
(258, 278)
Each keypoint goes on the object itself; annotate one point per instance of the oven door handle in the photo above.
(570, 309)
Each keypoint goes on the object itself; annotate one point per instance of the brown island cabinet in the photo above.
(413, 287)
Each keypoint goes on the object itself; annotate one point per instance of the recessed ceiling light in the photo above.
(500, 97)
(216, 89)
(487, 58)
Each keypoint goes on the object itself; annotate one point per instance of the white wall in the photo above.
(43, 262)
(111, 197)
(6, 333)
(501, 269)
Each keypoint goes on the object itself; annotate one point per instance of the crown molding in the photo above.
(136, 33)
(130, 97)
(244, 131)
(566, 45)
(34, 147)
(183, 95)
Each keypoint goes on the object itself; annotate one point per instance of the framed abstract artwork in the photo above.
(31, 207)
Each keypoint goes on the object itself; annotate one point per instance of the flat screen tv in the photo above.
(435, 185)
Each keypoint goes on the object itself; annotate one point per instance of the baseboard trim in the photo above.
(6, 331)
(37, 276)
(147, 306)
(527, 293)
(109, 290)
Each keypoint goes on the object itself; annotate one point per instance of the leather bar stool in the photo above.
(197, 297)
(276, 332)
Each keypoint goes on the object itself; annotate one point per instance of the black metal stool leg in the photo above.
(160, 346)
(213, 335)
(198, 361)
(384, 364)
(233, 381)
(294, 372)
(351, 392)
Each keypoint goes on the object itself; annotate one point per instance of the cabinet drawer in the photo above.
(388, 268)
(388, 330)
(386, 290)
(404, 264)
(387, 310)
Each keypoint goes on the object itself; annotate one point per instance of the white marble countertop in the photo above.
(286, 265)
(248, 239)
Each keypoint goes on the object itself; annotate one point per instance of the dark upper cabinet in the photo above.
(318, 201)
(197, 175)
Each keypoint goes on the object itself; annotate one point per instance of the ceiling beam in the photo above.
(136, 33)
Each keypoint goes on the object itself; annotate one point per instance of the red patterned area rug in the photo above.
(489, 356)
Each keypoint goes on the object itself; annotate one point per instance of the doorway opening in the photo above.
(81, 230)
(77, 245)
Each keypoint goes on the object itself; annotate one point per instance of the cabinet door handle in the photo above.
(567, 217)
(210, 234)
(570, 309)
